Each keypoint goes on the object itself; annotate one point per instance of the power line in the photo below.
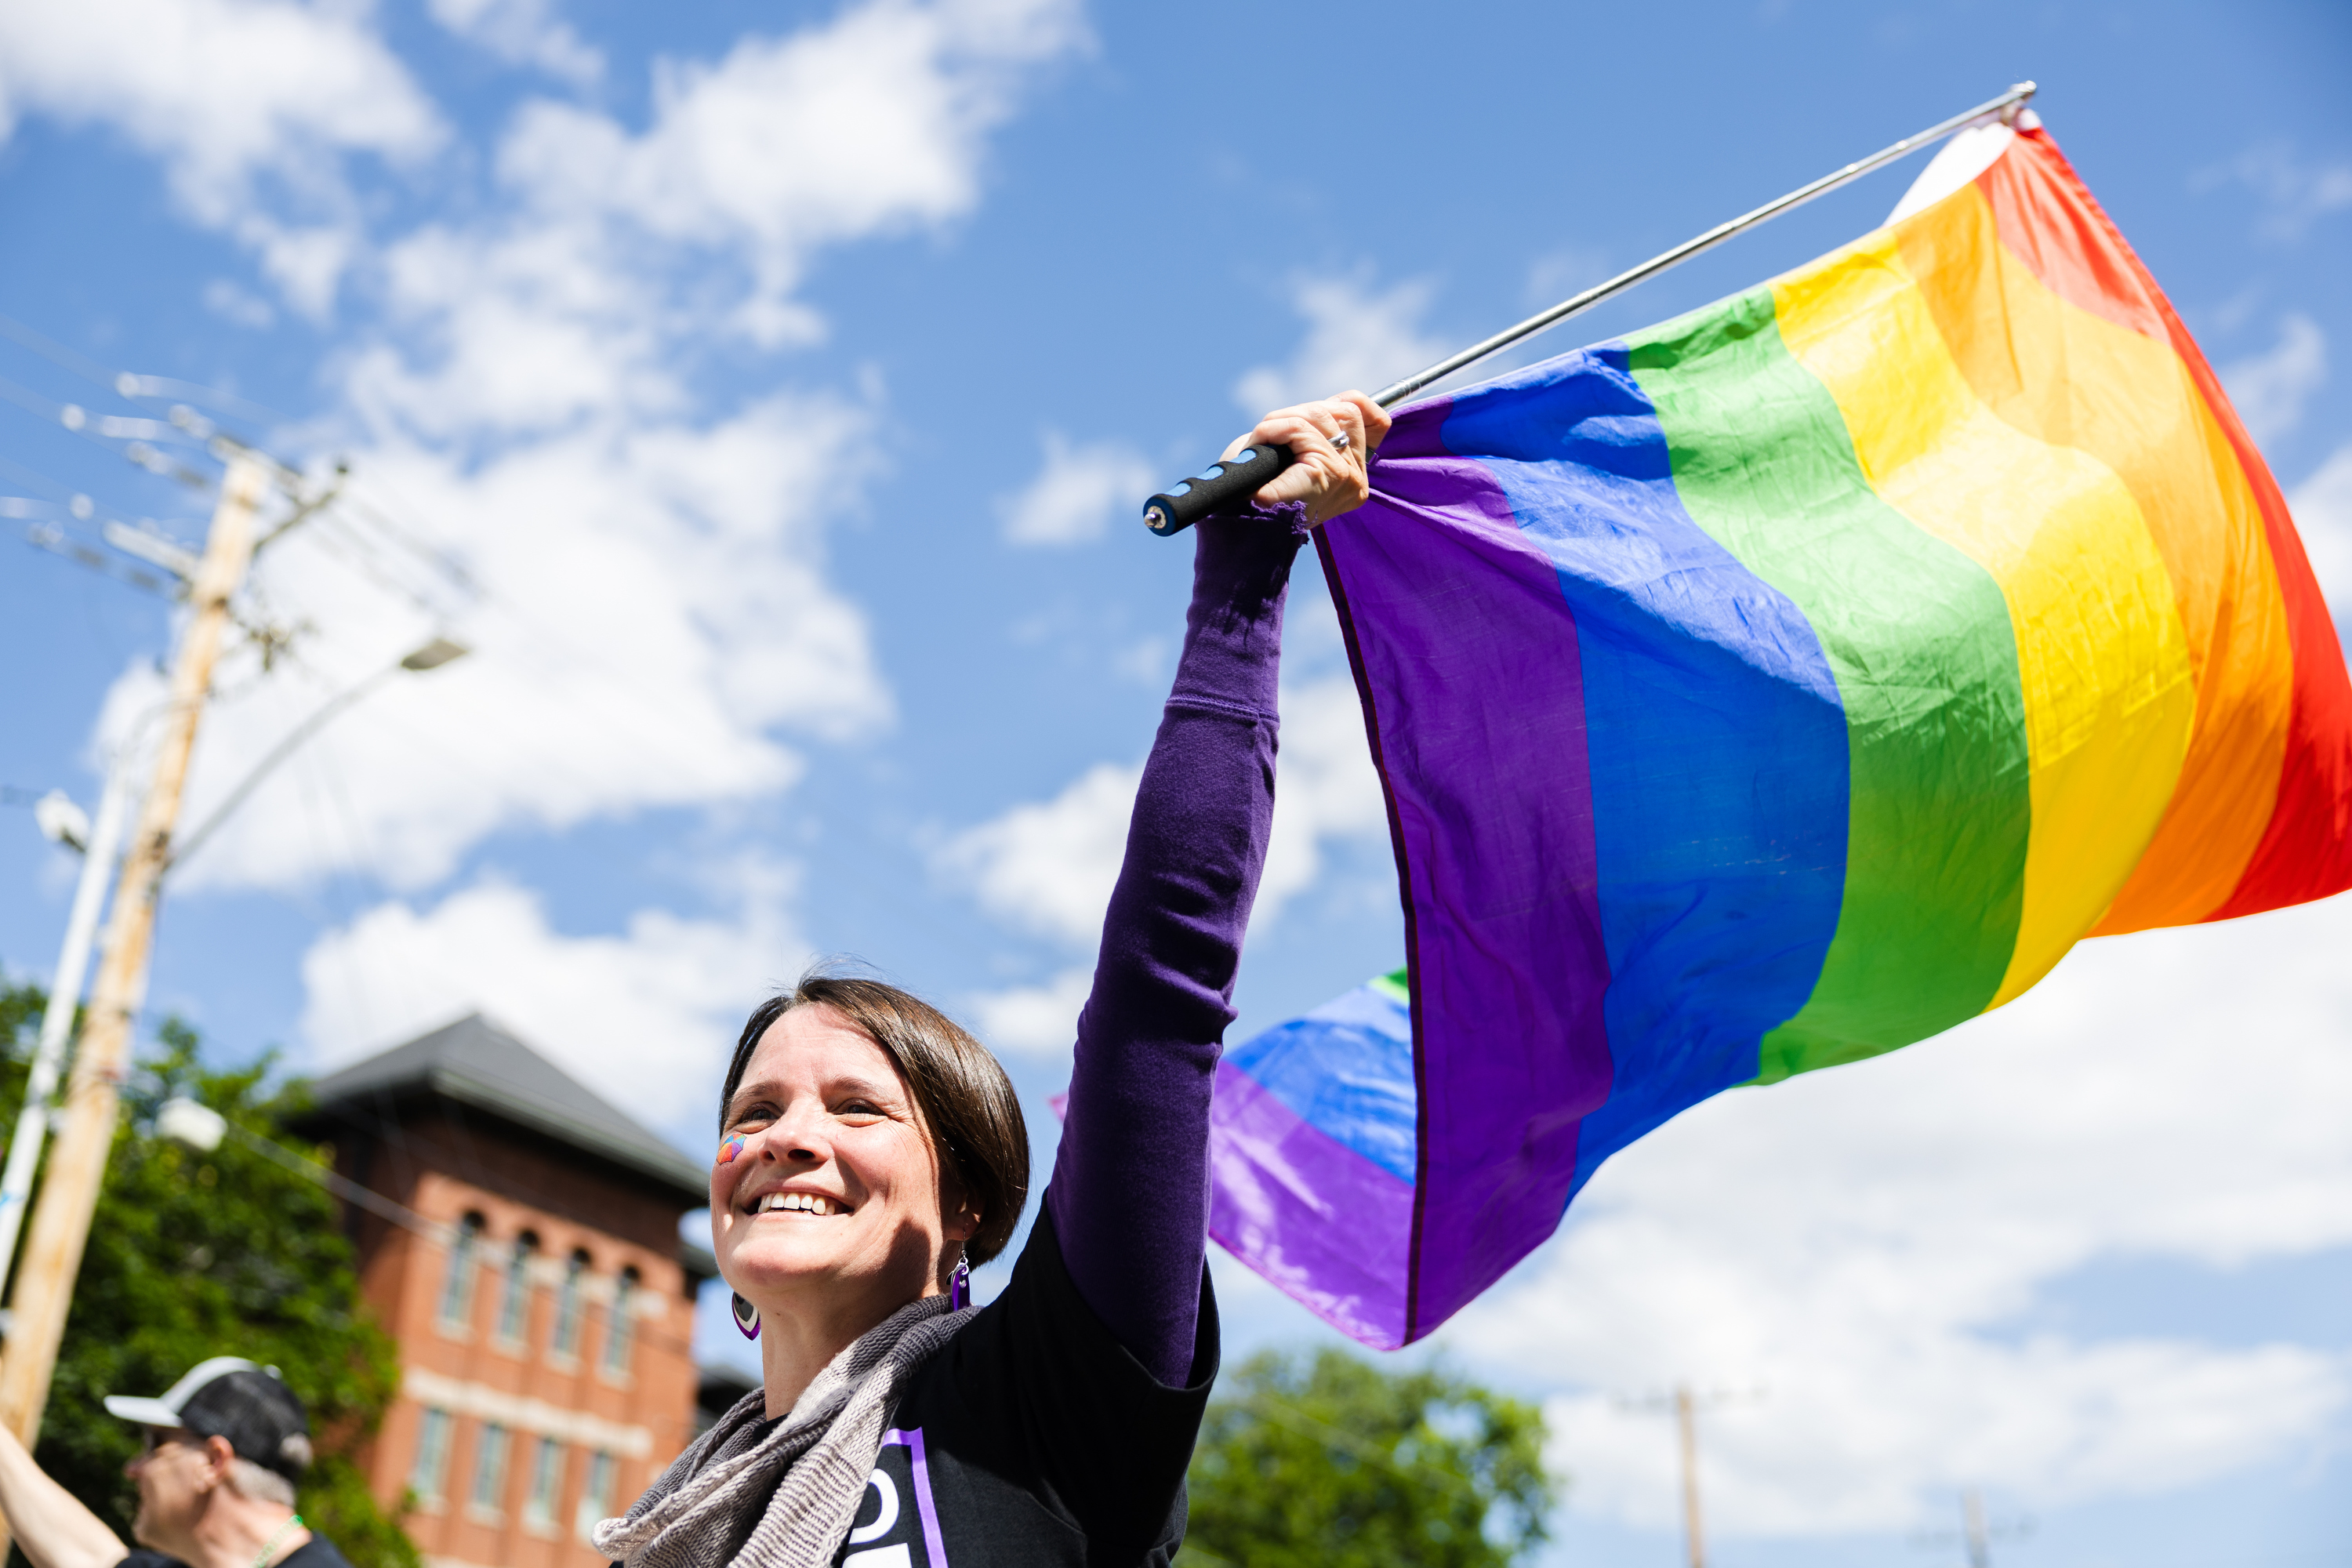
(432, 1232)
(40, 480)
(186, 426)
(1977, 1534)
(128, 386)
(75, 417)
(183, 423)
(433, 555)
(53, 539)
(342, 540)
(625, 677)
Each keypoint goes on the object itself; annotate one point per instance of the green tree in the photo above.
(1335, 1463)
(222, 1254)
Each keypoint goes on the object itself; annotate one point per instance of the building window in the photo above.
(595, 1494)
(458, 1284)
(432, 1456)
(569, 1306)
(546, 1485)
(490, 1469)
(514, 1306)
(619, 1337)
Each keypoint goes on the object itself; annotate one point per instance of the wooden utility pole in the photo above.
(1686, 1403)
(1687, 1418)
(1972, 1526)
(60, 1223)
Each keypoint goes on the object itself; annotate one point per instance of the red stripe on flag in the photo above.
(2049, 220)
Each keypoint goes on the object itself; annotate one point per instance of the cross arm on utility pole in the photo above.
(1977, 1532)
(1686, 1403)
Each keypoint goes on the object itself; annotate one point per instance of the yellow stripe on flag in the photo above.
(2109, 696)
(2069, 376)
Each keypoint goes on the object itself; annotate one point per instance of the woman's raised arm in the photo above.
(1128, 1198)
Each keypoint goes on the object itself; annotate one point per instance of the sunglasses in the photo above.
(154, 1440)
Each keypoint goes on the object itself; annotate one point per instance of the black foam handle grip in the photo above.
(1234, 479)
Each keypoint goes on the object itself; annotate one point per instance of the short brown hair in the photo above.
(967, 1102)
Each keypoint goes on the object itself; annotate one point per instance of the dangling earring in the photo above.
(747, 1319)
(960, 1287)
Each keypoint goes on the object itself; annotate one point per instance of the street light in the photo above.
(61, 820)
(435, 654)
(195, 1126)
(199, 1129)
(66, 823)
(432, 656)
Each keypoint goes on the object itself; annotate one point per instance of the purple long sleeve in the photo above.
(1129, 1197)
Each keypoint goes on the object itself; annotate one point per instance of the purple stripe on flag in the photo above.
(1273, 1205)
(1494, 823)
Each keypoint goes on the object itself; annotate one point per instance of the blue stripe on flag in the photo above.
(1717, 741)
(1345, 1068)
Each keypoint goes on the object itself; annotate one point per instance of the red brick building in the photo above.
(541, 1299)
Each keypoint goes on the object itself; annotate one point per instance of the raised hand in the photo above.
(1329, 474)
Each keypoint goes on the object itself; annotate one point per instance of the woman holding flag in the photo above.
(872, 1153)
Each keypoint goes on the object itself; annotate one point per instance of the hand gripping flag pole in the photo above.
(1187, 501)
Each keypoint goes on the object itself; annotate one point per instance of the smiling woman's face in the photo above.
(825, 1196)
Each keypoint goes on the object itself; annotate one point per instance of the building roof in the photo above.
(479, 1064)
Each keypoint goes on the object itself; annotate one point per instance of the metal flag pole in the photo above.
(1186, 503)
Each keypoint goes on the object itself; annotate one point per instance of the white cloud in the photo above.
(1869, 1243)
(2297, 193)
(252, 106)
(231, 303)
(644, 578)
(616, 257)
(2270, 389)
(656, 611)
(1080, 489)
(1147, 660)
(1356, 337)
(871, 125)
(2322, 505)
(1049, 865)
(1035, 1020)
(522, 33)
(130, 715)
(1327, 790)
(503, 331)
(645, 1017)
(1556, 275)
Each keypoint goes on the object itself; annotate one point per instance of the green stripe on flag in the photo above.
(1919, 640)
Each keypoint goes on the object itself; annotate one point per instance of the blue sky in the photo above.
(765, 391)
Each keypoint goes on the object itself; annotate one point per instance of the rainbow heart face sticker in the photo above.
(729, 1150)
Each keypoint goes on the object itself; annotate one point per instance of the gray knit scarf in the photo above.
(707, 1509)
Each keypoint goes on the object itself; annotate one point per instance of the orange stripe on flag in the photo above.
(2049, 220)
(2081, 379)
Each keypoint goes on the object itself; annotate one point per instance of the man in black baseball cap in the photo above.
(225, 1446)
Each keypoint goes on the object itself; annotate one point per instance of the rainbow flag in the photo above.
(1771, 689)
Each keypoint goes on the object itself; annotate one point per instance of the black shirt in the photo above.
(1033, 1437)
(316, 1553)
